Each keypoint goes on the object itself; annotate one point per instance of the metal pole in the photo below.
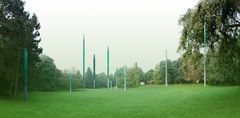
(84, 61)
(25, 75)
(70, 83)
(116, 79)
(125, 78)
(166, 74)
(107, 67)
(94, 72)
(205, 35)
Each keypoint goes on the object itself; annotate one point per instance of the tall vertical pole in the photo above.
(116, 79)
(25, 75)
(166, 74)
(84, 61)
(94, 72)
(70, 83)
(125, 78)
(108, 67)
(205, 35)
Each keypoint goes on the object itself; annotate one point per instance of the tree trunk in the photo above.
(17, 77)
(11, 89)
(16, 82)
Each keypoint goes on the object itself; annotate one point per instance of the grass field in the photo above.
(185, 101)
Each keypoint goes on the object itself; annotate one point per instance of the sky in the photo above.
(134, 30)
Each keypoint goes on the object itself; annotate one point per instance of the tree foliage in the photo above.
(134, 76)
(47, 75)
(148, 76)
(222, 21)
(157, 75)
(18, 30)
(89, 78)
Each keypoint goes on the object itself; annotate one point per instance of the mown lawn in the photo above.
(175, 101)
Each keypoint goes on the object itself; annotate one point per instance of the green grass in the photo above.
(185, 101)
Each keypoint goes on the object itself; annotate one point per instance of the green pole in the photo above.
(116, 79)
(70, 83)
(205, 35)
(107, 67)
(94, 72)
(25, 75)
(84, 61)
(166, 73)
(125, 78)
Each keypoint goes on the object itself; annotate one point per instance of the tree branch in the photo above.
(234, 25)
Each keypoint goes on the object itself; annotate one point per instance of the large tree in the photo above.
(222, 21)
(89, 78)
(101, 80)
(134, 76)
(18, 30)
(157, 75)
(178, 70)
(47, 75)
(148, 76)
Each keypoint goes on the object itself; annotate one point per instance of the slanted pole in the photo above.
(25, 74)
(94, 71)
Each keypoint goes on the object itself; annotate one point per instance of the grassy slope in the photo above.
(145, 102)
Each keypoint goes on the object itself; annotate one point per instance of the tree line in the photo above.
(48, 77)
(19, 29)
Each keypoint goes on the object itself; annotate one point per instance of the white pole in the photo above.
(205, 74)
(166, 81)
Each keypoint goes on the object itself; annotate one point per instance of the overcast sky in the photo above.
(135, 31)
